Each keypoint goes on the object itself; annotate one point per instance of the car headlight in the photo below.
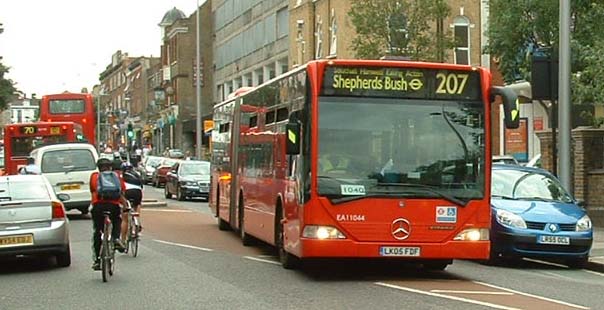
(584, 224)
(509, 219)
(188, 183)
(322, 232)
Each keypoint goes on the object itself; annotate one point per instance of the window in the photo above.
(254, 121)
(333, 34)
(282, 20)
(319, 38)
(282, 114)
(461, 28)
(67, 160)
(270, 117)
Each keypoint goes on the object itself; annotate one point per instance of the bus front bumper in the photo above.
(332, 248)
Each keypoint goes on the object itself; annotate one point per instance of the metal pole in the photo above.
(198, 116)
(564, 108)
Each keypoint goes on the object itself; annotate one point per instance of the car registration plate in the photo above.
(554, 240)
(17, 240)
(400, 251)
(67, 187)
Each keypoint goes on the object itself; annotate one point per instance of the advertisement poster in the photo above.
(516, 141)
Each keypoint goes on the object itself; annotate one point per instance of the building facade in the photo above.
(175, 123)
(24, 110)
(251, 43)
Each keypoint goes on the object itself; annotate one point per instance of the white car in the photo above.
(68, 167)
(32, 219)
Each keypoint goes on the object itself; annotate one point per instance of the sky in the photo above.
(51, 46)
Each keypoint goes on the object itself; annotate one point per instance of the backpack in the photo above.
(132, 177)
(108, 186)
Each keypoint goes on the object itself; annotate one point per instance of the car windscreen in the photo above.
(194, 169)
(67, 161)
(520, 184)
(21, 190)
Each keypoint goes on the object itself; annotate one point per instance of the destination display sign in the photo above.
(29, 130)
(411, 83)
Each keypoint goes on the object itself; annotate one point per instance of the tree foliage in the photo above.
(517, 28)
(399, 28)
(7, 88)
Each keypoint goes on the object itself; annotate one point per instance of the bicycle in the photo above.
(133, 231)
(107, 253)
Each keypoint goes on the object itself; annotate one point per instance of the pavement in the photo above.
(596, 257)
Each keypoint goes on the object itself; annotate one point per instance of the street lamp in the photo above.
(198, 132)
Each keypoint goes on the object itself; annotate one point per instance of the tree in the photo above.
(400, 28)
(7, 88)
(517, 28)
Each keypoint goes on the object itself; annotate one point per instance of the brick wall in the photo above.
(587, 156)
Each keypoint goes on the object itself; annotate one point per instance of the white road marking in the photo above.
(531, 295)
(184, 245)
(595, 272)
(470, 292)
(471, 301)
(266, 256)
(168, 210)
(262, 260)
(545, 262)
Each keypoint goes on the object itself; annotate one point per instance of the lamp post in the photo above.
(198, 131)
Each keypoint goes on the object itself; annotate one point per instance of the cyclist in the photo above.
(134, 192)
(101, 204)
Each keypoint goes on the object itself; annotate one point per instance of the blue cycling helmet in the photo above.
(126, 166)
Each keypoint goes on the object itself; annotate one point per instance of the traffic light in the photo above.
(130, 131)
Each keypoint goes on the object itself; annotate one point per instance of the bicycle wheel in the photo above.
(134, 236)
(104, 255)
(110, 251)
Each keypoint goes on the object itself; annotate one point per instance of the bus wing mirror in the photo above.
(292, 138)
(511, 106)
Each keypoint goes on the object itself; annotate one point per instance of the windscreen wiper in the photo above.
(432, 190)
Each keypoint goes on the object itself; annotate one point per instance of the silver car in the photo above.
(32, 219)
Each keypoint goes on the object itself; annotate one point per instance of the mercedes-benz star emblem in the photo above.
(400, 228)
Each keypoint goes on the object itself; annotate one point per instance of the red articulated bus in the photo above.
(70, 107)
(360, 159)
(21, 139)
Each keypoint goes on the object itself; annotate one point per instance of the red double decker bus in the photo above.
(21, 139)
(70, 107)
(360, 159)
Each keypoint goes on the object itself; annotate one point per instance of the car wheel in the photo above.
(179, 195)
(64, 258)
(167, 193)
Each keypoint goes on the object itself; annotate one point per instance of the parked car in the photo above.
(147, 167)
(32, 219)
(68, 167)
(505, 159)
(159, 175)
(534, 216)
(188, 178)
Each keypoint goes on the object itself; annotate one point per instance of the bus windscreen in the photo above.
(22, 146)
(70, 106)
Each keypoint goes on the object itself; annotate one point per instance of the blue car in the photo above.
(534, 216)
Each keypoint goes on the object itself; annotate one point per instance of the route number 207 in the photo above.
(452, 83)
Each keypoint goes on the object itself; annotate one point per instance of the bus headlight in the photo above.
(473, 234)
(322, 232)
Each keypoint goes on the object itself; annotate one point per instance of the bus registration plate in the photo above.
(400, 251)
